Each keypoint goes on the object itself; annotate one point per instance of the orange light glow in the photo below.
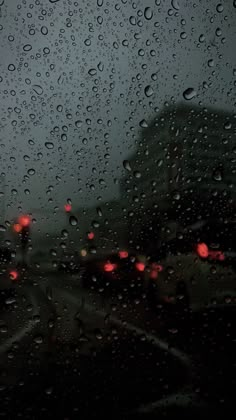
(91, 236)
(13, 275)
(202, 250)
(17, 227)
(109, 267)
(140, 266)
(24, 221)
(67, 207)
(123, 254)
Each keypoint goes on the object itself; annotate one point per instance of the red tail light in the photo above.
(91, 235)
(24, 221)
(202, 250)
(109, 267)
(17, 227)
(13, 275)
(123, 254)
(67, 207)
(140, 266)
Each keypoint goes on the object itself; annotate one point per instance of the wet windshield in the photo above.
(117, 206)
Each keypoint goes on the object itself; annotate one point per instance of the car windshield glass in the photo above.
(118, 208)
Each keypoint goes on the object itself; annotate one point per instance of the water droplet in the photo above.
(175, 4)
(126, 165)
(234, 3)
(99, 3)
(137, 174)
(59, 108)
(99, 211)
(132, 20)
(219, 8)
(217, 175)
(100, 66)
(189, 94)
(44, 30)
(78, 123)
(38, 339)
(53, 1)
(92, 72)
(176, 195)
(38, 89)
(3, 228)
(27, 47)
(73, 221)
(148, 13)
(31, 171)
(11, 67)
(64, 137)
(201, 38)
(148, 91)
(143, 124)
(49, 145)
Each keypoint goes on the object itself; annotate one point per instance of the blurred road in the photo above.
(80, 351)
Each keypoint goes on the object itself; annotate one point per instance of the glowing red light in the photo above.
(24, 221)
(91, 235)
(123, 254)
(140, 266)
(202, 250)
(17, 227)
(108, 267)
(13, 275)
(67, 207)
(154, 274)
(216, 255)
(157, 267)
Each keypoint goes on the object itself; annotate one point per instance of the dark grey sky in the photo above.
(77, 78)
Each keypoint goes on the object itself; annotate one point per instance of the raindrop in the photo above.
(143, 124)
(38, 339)
(126, 165)
(3, 228)
(11, 67)
(217, 175)
(87, 42)
(137, 174)
(175, 4)
(219, 8)
(44, 30)
(100, 66)
(148, 91)
(92, 72)
(38, 89)
(64, 137)
(99, 211)
(148, 13)
(59, 108)
(49, 145)
(27, 47)
(99, 3)
(132, 20)
(73, 221)
(176, 195)
(189, 94)
(31, 171)
(46, 50)
(53, 1)
(201, 38)
(78, 123)
(234, 3)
